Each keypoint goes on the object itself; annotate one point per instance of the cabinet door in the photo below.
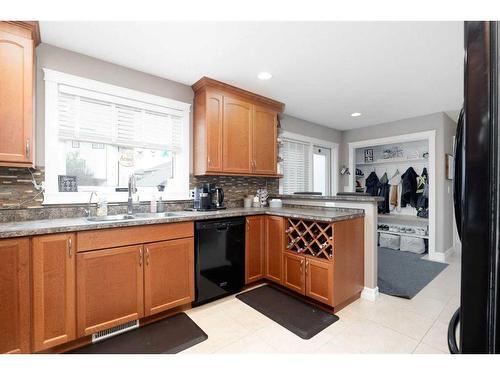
(293, 272)
(214, 109)
(16, 98)
(109, 288)
(14, 296)
(275, 242)
(254, 248)
(168, 275)
(319, 280)
(54, 290)
(264, 147)
(237, 135)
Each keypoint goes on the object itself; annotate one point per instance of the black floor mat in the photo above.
(168, 336)
(299, 317)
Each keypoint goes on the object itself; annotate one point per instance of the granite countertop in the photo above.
(345, 198)
(36, 227)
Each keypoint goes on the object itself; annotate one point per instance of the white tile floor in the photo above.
(388, 325)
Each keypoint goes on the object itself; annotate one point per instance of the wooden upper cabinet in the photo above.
(54, 290)
(237, 136)
(234, 131)
(109, 288)
(254, 248)
(275, 243)
(264, 147)
(168, 275)
(14, 296)
(17, 46)
(319, 280)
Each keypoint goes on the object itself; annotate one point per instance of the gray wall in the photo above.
(65, 61)
(445, 129)
(309, 129)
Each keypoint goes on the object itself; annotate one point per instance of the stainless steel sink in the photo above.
(155, 215)
(111, 218)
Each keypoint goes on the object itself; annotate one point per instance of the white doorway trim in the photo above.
(334, 162)
(430, 136)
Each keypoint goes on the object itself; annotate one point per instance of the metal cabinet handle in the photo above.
(301, 265)
(70, 247)
(209, 161)
(307, 264)
(147, 256)
(28, 148)
(140, 256)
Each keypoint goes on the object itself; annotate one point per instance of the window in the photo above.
(100, 134)
(308, 164)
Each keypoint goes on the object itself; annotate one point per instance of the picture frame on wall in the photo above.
(369, 155)
(449, 166)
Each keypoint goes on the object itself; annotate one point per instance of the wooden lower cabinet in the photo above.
(14, 296)
(110, 289)
(319, 280)
(254, 248)
(275, 244)
(293, 272)
(168, 275)
(54, 290)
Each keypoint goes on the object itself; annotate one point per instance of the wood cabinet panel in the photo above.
(115, 237)
(16, 96)
(264, 146)
(293, 272)
(109, 288)
(254, 248)
(275, 244)
(319, 280)
(54, 290)
(168, 275)
(237, 135)
(214, 110)
(14, 296)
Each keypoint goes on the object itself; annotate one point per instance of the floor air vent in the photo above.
(110, 332)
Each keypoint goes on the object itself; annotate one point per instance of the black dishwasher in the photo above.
(219, 258)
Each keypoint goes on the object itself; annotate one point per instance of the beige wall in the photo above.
(310, 129)
(65, 61)
(445, 129)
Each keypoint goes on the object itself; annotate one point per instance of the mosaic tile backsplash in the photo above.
(20, 201)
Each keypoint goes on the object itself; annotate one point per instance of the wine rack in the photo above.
(312, 238)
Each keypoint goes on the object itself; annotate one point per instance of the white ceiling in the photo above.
(322, 71)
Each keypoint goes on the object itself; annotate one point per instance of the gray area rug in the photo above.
(403, 274)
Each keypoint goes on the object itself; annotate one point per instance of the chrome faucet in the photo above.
(132, 189)
(87, 211)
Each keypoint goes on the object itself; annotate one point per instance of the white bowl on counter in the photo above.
(275, 203)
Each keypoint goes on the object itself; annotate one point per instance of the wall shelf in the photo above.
(394, 161)
(406, 218)
(403, 234)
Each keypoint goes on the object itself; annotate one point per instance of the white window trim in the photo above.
(52, 195)
(334, 162)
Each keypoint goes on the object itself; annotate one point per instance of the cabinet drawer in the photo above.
(108, 238)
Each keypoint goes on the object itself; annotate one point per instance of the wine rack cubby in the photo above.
(312, 238)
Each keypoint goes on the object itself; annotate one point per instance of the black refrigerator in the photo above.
(476, 195)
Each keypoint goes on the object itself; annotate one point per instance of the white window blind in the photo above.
(90, 116)
(295, 166)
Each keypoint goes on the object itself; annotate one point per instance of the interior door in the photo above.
(168, 275)
(322, 157)
(264, 148)
(54, 290)
(109, 288)
(237, 135)
(16, 98)
(293, 272)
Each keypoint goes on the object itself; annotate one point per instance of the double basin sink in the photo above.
(157, 215)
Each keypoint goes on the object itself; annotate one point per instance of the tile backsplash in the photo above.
(19, 200)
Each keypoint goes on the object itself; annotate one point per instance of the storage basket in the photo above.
(412, 244)
(390, 241)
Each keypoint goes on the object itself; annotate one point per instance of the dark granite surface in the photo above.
(344, 198)
(36, 227)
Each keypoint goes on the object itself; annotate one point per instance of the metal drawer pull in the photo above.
(70, 247)
(147, 256)
(28, 148)
(140, 256)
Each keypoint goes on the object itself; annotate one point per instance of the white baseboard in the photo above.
(442, 257)
(370, 294)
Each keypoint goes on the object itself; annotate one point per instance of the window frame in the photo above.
(52, 80)
(312, 142)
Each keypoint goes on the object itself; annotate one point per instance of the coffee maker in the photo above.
(204, 196)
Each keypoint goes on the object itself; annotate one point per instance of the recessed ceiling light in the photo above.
(264, 76)
(355, 114)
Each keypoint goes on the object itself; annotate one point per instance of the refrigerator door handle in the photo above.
(452, 338)
(457, 178)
